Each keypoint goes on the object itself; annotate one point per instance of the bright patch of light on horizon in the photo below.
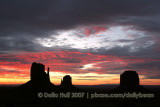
(57, 76)
(76, 38)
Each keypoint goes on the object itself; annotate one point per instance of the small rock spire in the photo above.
(48, 71)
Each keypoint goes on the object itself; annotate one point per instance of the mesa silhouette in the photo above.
(129, 79)
(40, 81)
(66, 84)
(129, 82)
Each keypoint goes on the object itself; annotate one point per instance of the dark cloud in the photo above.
(23, 21)
(45, 15)
(67, 60)
(141, 47)
(147, 23)
(148, 67)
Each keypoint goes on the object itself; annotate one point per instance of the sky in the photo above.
(94, 41)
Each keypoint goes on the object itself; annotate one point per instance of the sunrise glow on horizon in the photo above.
(90, 71)
(91, 55)
(93, 41)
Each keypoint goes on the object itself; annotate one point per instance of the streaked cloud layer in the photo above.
(80, 37)
(82, 66)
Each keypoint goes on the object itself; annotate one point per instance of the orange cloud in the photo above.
(15, 68)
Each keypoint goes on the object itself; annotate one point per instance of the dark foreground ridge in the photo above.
(34, 91)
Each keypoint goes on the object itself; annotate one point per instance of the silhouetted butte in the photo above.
(40, 80)
(129, 82)
(129, 79)
(66, 84)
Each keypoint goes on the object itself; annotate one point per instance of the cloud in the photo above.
(23, 21)
(59, 14)
(74, 33)
(85, 66)
(77, 63)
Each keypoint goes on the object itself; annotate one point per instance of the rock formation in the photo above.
(129, 82)
(39, 79)
(38, 73)
(67, 81)
(129, 79)
(66, 84)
